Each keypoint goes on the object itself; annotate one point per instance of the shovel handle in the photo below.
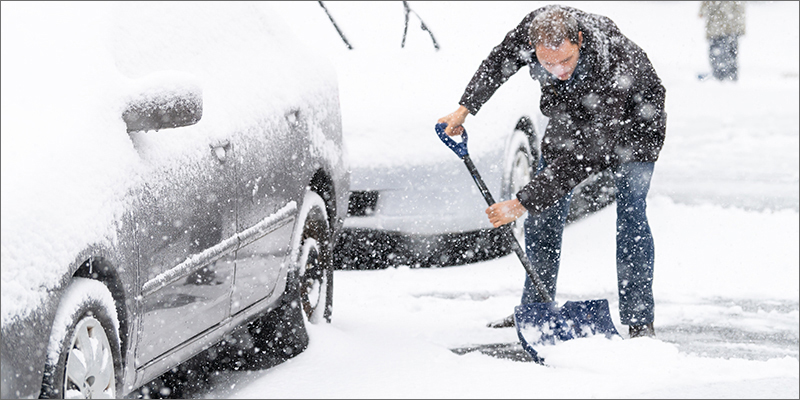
(461, 151)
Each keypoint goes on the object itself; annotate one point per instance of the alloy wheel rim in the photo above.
(89, 371)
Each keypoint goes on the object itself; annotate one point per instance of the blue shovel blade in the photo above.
(540, 323)
(544, 323)
(589, 317)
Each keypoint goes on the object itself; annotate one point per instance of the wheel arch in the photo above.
(526, 125)
(103, 269)
(322, 184)
(527, 140)
(101, 263)
(71, 309)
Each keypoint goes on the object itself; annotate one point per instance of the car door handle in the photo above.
(221, 150)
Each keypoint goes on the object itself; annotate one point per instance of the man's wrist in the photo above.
(463, 111)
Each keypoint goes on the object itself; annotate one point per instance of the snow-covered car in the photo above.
(402, 66)
(171, 172)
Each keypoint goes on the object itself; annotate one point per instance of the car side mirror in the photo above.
(164, 101)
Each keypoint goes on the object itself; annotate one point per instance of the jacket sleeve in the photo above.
(503, 61)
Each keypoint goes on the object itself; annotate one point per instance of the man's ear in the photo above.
(580, 39)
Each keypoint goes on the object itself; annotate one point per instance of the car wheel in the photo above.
(84, 350)
(315, 262)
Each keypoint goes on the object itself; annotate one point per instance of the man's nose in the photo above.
(559, 69)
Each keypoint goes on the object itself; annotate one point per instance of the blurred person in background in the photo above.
(725, 22)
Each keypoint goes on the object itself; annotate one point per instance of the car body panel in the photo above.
(189, 209)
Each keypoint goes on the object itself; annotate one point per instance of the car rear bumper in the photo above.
(361, 248)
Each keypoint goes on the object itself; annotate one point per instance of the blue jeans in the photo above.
(635, 250)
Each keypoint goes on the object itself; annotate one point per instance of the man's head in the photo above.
(557, 40)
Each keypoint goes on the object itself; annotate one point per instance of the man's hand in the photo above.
(505, 211)
(454, 121)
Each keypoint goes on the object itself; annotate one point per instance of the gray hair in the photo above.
(552, 26)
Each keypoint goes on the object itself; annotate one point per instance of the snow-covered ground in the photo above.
(723, 208)
(724, 212)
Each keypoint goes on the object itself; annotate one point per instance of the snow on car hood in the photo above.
(67, 68)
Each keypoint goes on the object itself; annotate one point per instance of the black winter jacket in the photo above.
(610, 111)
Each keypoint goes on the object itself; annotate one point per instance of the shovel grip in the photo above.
(459, 148)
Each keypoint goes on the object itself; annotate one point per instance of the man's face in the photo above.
(561, 61)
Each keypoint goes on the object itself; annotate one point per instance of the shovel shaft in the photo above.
(508, 233)
(478, 180)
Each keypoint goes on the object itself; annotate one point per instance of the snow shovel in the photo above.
(539, 323)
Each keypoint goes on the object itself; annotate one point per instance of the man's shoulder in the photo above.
(597, 22)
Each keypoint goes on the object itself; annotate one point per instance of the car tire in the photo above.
(281, 334)
(518, 173)
(315, 261)
(83, 358)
